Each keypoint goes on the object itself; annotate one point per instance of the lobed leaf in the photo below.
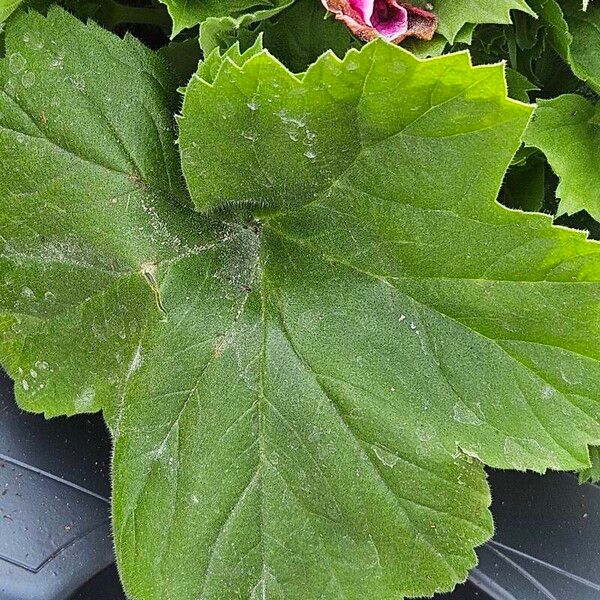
(187, 13)
(564, 130)
(454, 15)
(305, 376)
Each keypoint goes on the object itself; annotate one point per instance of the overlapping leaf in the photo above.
(7, 7)
(303, 380)
(89, 178)
(566, 131)
(454, 15)
(187, 13)
(575, 34)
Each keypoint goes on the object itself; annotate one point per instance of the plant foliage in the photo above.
(300, 307)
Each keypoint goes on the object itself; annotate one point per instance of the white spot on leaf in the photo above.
(16, 63)
(387, 458)
(85, 399)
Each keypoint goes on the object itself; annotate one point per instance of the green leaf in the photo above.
(297, 36)
(7, 7)
(86, 144)
(564, 131)
(304, 380)
(552, 17)
(187, 13)
(585, 47)
(525, 184)
(575, 35)
(518, 85)
(454, 15)
(593, 473)
(465, 335)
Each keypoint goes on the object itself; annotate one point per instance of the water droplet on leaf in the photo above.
(28, 79)
(16, 63)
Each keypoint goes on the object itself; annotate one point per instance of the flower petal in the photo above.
(364, 8)
(388, 19)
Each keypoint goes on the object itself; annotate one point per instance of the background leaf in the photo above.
(575, 35)
(7, 7)
(187, 13)
(453, 14)
(297, 36)
(564, 131)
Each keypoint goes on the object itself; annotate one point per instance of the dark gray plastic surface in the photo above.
(547, 542)
(54, 512)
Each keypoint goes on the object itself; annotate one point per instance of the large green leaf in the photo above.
(88, 164)
(564, 130)
(304, 381)
(187, 13)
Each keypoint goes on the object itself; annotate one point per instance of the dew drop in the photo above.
(425, 433)
(387, 458)
(28, 79)
(57, 62)
(85, 399)
(463, 414)
(27, 292)
(16, 63)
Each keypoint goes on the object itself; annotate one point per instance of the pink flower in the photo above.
(391, 20)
